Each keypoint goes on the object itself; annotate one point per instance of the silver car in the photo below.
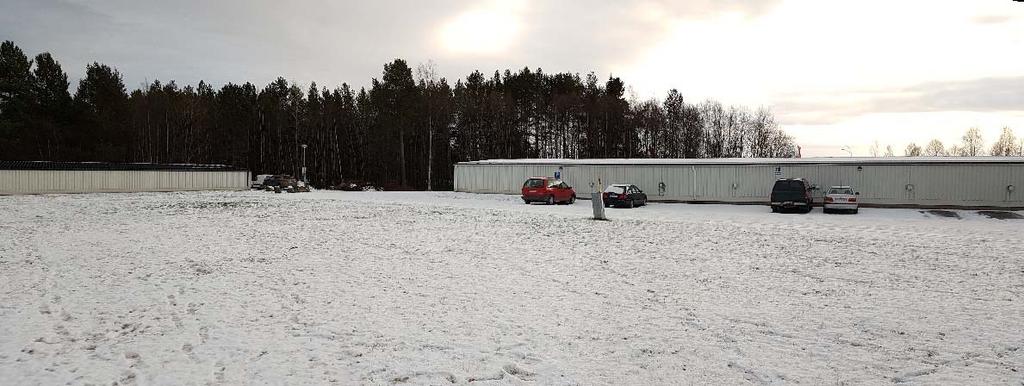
(840, 198)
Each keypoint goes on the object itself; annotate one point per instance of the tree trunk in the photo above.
(430, 160)
(401, 153)
(430, 150)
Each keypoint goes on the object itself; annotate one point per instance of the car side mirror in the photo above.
(857, 193)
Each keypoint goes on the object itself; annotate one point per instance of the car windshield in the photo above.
(534, 183)
(554, 183)
(617, 189)
(841, 191)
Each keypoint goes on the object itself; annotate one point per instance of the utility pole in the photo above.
(430, 156)
(304, 180)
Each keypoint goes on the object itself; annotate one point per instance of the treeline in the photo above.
(405, 130)
(972, 145)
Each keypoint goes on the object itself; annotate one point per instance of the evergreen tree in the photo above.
(53, 106)
(396, 96)
(102, 101)
(675, 116)
(17, 101)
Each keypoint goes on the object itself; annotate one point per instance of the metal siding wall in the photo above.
(79, 181)
(934, 184)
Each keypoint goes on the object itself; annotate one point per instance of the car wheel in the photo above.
(525, 201)
(775, 209)
(856, 210)
(572, 200)
(631, 204)
(551, 200)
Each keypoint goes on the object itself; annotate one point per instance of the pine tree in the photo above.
(17, 101)
(397, 98)
(675, 112)
(103, 102)
(53, 112)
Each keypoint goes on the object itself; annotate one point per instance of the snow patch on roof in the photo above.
(746, 161)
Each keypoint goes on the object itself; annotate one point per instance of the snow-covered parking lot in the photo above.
(441, 288)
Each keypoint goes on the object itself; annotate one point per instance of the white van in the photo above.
(258, 182)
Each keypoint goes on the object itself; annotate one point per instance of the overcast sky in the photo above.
(835, 72)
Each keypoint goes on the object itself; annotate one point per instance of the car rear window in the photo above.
(534, 183)
(841, 191)
(789, 186)
(615, 189)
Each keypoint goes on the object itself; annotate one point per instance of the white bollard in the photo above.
(597, 199)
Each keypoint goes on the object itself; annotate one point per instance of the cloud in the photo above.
(581, 36)
(1002, 94)
(330, 41)
(991, 19)
(227, 41)
(488, 30)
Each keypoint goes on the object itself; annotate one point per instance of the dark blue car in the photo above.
(624, 195)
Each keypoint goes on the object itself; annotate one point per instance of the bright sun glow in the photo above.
(486, 31)
(810, 51)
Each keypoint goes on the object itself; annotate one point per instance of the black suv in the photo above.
(792, 193)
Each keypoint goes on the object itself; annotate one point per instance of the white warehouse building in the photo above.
(975, 182)
(43, 177)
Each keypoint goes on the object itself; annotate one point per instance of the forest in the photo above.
(404, 131)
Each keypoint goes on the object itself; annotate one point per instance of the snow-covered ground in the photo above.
(441, 288)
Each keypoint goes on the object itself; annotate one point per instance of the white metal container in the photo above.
(64, 177)
(889, 181)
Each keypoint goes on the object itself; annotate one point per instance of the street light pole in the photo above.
(847, 149)
(304, 180)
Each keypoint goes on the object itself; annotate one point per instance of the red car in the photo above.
(548, 190)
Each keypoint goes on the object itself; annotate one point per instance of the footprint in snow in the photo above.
(218, 371)
(204, 333)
